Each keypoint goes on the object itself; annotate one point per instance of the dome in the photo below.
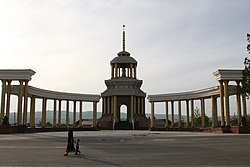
(123, 53)
(123, 60)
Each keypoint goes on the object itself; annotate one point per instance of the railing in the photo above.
(113, 124)
(133, 124)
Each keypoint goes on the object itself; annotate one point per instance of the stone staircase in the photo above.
(123, 125)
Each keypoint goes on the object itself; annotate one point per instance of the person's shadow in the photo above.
(92, 158)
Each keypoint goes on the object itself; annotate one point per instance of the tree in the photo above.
(246, 72)
(234, 120)
(197, 118)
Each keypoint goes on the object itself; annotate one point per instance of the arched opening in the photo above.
(123, 113)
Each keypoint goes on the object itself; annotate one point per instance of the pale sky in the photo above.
(69, 43)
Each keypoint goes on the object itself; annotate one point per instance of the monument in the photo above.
(123, 92)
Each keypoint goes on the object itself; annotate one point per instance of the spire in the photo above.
(123, 38)
(123, 52)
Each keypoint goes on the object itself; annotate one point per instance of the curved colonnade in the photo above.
(23, 91)
(223, 91)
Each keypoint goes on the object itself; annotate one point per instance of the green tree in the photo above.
(248, 121)
(197, 118)
(234, 120)
(246, 72)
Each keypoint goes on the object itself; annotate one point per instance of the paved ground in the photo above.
(126, 148)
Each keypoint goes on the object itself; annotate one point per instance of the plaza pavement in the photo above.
(126, 148)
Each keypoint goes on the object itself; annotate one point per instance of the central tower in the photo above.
(123, 92)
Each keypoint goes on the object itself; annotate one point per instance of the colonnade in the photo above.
(57, 113)
(58, 98)
(223, 92)
(24, 92)
(23, 107)
(170, 110)
(110, 106)
(224, 76)
(22, 100)
(225, 104)
(129, 71)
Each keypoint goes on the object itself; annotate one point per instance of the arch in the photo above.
(123, 112)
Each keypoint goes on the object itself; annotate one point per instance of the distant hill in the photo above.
(49, 116)
(86, 115)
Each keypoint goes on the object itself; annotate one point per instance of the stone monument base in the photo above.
(105, 122)
(141, 123)
(240, 129)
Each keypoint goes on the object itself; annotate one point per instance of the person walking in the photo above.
(70, 145)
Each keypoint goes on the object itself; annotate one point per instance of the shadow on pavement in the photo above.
(92, 158)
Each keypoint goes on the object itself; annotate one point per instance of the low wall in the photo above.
(21, 129)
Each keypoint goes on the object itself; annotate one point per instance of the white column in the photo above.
(104, 102)
(244, 106)
(108, 105)
(166, 114)
(152, 124)
(116, 71)
(44, 106)
(187, 109)
(80, 114)
(32, 111)
(135, 71)
(3, 100)
(94, 113)
(135, 109)
(112, 71)
(139, 105)
(74, 114)
(54, 114)
(226, 94)
(59, 113)
(192, 113)
(143, 106)
(222, 104)
(179, 114)
(202, 112)
(25, 102)
(20, 102)
(112, 105)
(131, 71)
(213, 98)
(8, 99)
(172, 113)
(132, 107)
(67, 112)
(238, 102)
(115, 108)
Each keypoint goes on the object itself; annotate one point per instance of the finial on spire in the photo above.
(123, 38)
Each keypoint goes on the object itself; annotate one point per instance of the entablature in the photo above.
(198, 94)
(48, 94)
(16, 74)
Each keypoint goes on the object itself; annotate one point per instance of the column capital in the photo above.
(226, 82)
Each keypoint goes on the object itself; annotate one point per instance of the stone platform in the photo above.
(126, 148)
(23, 129)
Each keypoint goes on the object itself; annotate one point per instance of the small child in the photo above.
(77, 147)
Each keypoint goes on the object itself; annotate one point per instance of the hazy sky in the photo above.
(69, 43)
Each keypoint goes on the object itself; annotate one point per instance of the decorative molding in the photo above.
(16, 74)
(227, 74)
(48, 94)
